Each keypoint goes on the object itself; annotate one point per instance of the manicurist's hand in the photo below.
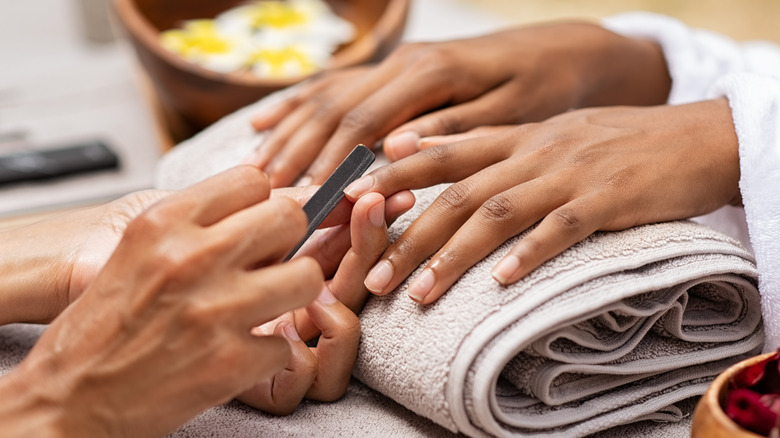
(586, 170)
(323, 372)
(164, 330)
(423, 89)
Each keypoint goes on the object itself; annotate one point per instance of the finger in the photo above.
(438, 223)
(268, 116)
(274, 290)
(337, 347)
(367, 237)
(481, 131)
(264, 233)
(411, 93)
(283, 392)
(488, 109)
(328, 247)
(221, 195)
(339, 215)
(559, 230)
(286, 117)
(444, 163)
(322, 116)
(258, 359)
(502, 216)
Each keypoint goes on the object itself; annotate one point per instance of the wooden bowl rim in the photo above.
(720, 387)
(357, 52)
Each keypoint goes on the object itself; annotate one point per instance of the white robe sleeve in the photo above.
(705, 65)
(755, 107)
(696, 58)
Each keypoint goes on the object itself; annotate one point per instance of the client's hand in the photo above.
(423, 89)
(586, 170)
(164, 330)
(323, 372)
(48, 264)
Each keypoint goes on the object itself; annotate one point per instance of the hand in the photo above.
(323, 372)
(164, 330)
(424, 89)
(586, 170)
(51, 262)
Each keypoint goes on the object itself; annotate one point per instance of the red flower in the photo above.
(745, 407)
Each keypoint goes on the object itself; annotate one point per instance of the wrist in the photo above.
(617, 70)
(36, 276)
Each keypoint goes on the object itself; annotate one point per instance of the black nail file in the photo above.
(331, 192)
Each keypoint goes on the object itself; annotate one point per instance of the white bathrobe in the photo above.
(705, 65)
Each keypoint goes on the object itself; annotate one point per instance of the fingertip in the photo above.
(397, 146)
(359, 187)
(506, 270)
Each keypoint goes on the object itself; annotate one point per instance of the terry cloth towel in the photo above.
(616, 330)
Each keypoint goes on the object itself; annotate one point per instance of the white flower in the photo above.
(202, 43)
(272, 38)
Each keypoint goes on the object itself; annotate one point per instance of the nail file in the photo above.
(331, 192)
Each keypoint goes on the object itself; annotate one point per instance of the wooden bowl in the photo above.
(191, 97)
(709, 419)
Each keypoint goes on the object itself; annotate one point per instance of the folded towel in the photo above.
(618, 329)
(614, 330)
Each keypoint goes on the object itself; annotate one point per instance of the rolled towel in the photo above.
(616, 329)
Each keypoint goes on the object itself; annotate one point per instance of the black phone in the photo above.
(31, 165)
(328, 196)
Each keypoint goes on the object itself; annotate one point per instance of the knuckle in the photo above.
(449, 124)
(456, 197)
(499, 208)
(359, 119)
(439, 156)
(568, 220)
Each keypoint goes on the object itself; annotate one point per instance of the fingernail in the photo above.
(401, 145)
(506, 268)
(376, 215)
(326, 296)
(379, 277)
(360, 187)
(422, 285)
(291, 333)
(305, 181)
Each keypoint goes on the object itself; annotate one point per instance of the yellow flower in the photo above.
(202, 42)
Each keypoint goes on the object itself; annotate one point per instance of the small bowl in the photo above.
(709, 419)
(191, 97)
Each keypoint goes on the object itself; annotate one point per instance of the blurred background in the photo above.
(740, 19)
(66, 77)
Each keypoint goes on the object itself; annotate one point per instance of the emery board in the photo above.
(331, 192)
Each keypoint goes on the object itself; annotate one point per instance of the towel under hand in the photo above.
(616, 329)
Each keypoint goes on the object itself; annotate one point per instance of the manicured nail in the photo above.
(326, 296)
(291, 333)
(379, 277)
(401, 145)
(360, 187)
(422, 285)
(305, 181)
(506, 268)
(376, 215)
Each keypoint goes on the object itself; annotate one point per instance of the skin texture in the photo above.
(586, 170)
(167, 325)
(424, 89)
